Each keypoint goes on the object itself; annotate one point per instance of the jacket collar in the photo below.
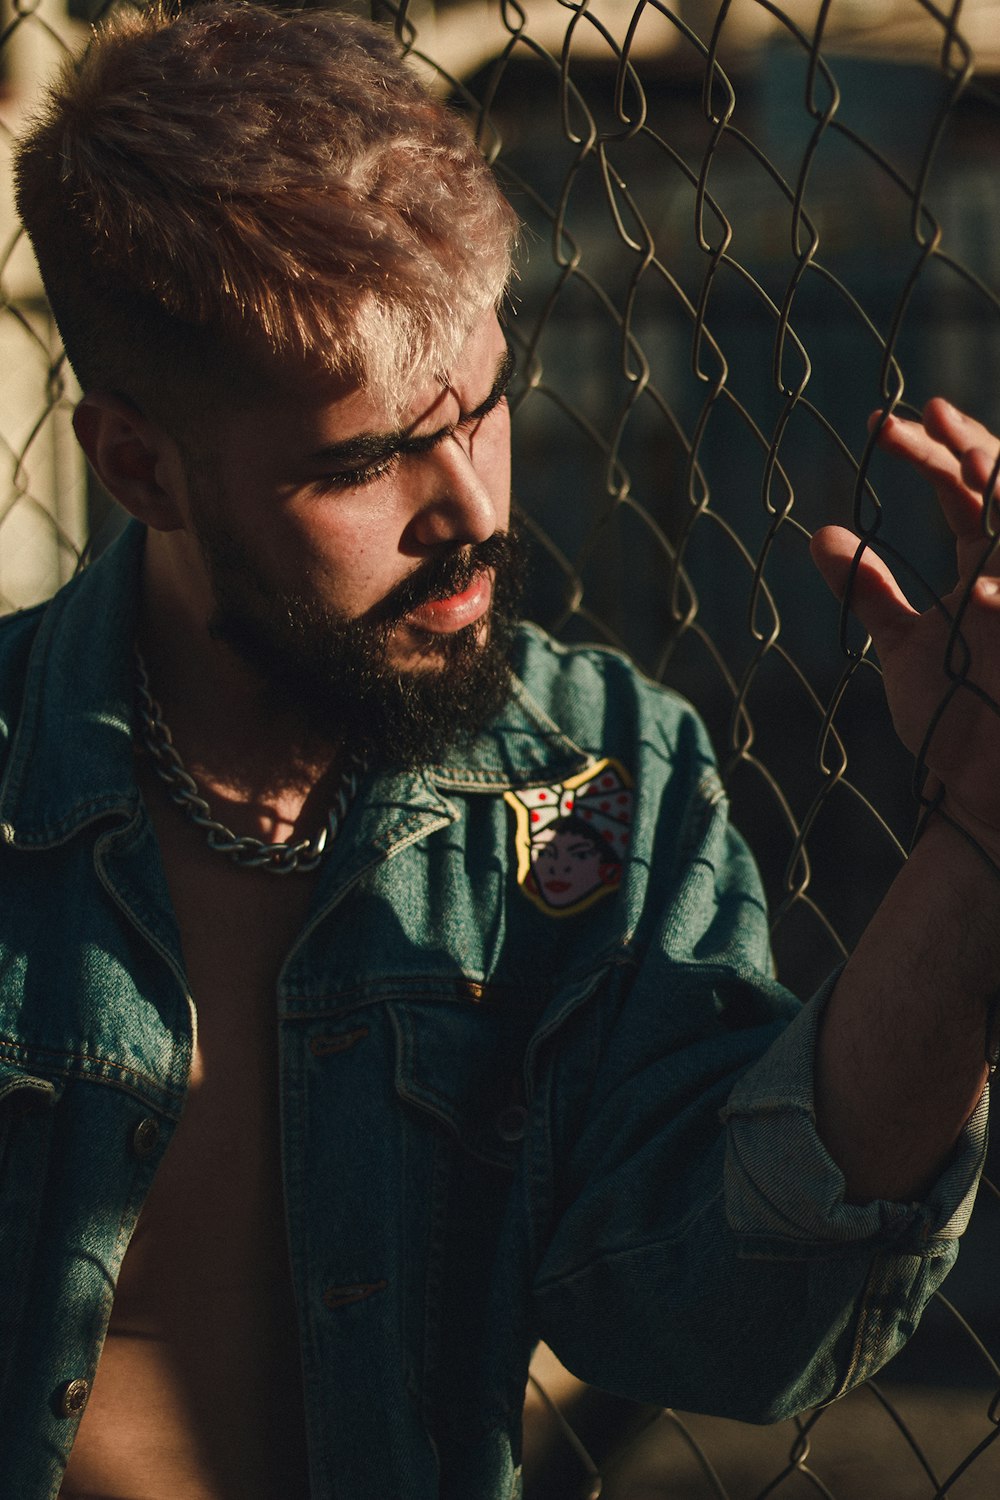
(522, 747)
(71, 758)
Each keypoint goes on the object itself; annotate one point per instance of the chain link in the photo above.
(251, 853)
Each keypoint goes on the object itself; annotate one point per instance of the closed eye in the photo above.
(377, 455)
(505, 374)
(357, 478)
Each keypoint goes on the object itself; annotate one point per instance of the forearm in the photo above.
(902, 1052)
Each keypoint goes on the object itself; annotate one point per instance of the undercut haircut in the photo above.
(210, 191)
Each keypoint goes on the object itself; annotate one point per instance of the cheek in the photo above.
(350, 551)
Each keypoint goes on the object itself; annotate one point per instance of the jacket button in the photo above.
(145, 1136)
(510, 1122)
(73, 1398)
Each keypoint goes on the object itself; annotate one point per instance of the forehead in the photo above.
(559, 830)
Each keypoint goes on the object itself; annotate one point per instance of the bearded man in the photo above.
(381, 986)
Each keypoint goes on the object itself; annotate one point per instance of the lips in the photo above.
(442, 616)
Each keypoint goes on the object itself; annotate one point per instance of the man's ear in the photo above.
(136, 460)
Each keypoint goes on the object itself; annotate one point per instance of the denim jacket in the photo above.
(514, 1106)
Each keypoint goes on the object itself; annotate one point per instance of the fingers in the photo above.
(954, 452)
(986, 593)
(957, 431)
(875, 596)
(974, 446)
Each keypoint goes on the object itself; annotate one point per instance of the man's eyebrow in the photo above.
(373, 448)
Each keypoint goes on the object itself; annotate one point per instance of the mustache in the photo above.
(450, 573)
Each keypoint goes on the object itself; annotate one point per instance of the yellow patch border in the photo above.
(522, 837)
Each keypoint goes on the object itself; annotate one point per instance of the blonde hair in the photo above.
(237, 181)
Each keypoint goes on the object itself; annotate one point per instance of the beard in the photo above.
(335, 673)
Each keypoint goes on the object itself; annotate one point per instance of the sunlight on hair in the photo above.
(172, 221)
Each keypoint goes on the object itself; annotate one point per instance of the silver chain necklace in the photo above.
(277, 859)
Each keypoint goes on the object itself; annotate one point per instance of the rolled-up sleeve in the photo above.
(784, 1190)
(695, 1245)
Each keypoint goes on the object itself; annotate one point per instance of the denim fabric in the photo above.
(501, 1121)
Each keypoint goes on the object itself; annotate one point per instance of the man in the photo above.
(370, 1010)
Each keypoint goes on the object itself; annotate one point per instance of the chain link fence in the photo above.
(746, 227)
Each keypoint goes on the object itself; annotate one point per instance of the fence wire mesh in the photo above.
(746, 227)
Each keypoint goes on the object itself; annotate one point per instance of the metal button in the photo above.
(145, 1136)
(73, 1398)
(510, 1122)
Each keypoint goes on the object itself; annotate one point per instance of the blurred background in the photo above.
(746, 227)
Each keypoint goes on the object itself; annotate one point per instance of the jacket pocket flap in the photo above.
(465, 1066)
(18, 1086)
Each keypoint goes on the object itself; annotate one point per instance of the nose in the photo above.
(456, 505)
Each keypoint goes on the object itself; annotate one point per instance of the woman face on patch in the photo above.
(569, 861)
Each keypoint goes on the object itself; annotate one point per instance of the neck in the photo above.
(245, 752)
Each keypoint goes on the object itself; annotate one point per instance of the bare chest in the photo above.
(198, 1393)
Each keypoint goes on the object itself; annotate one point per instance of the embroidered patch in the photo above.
(572, 838)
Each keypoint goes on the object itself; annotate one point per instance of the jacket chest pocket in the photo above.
(459, 1076)
(27, 1117)
(463, 1068)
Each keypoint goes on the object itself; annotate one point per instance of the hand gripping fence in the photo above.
(747, 227)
